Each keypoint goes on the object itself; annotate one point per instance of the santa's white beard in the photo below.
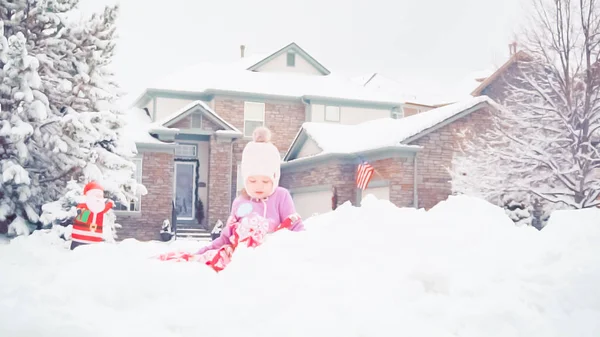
(95, 205)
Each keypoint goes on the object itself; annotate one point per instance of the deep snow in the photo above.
(460, 269)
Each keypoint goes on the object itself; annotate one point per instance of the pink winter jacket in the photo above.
(275, 209)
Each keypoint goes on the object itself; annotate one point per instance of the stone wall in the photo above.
(435, 159)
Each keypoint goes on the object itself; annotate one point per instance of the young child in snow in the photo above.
(262, 203)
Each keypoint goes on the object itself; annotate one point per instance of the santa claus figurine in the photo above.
(87, 226)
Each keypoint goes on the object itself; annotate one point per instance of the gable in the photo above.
(290, 59)
(309, 148)
(197, 116)
(508, 67)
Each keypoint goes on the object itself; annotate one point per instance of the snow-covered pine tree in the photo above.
(25, 158)
(74, 59)
(98, 129)
(545, 140)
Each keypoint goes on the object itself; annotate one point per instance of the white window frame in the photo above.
(135, 204)
(339, 118)
(182, 144)
(246, 104)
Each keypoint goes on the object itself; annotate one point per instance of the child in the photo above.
(262, 204)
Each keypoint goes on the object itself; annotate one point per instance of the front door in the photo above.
(185, 181)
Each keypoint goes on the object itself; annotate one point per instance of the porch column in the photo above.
(219, 179)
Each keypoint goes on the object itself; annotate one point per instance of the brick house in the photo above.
(191, 128)
(410, 157)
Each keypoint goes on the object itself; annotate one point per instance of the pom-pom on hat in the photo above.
(261, 158)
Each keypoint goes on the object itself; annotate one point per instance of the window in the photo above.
(186, 150)
(254, 117)
(397, 113)
(291, 59)
(196, 121)
(332, 113)
(133, 205)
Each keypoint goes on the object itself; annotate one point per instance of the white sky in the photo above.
(428, 43)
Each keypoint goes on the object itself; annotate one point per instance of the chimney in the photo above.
(512, 48)
(242, 49)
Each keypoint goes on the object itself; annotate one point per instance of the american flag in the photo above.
(363, 175)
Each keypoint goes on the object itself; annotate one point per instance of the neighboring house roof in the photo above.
(404, 92)
(418, 93)
(295, 48)
(484, 83)
(234, 78)
(197, 106)
(381, 133)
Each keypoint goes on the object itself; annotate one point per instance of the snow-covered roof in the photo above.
(205, 109)
(212, 78)
(519, 56)
(383, 132)
(411, 92)
(139, 125)
(295, 48)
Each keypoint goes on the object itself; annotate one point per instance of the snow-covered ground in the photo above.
(461, 269)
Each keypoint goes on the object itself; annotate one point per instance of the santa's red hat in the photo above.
(92, 185)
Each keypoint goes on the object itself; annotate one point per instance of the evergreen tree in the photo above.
(76, 134)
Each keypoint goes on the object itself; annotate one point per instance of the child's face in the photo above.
(259, 186)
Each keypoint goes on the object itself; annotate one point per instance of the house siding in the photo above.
(157, 176)
(341, 176)
(399, 173)
(219, 178)
(284, 119)
(499, 88)
(435, 159)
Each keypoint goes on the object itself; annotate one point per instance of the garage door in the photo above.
(381, 193)
(309, 203)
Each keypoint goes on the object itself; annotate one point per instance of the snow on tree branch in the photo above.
(545, 139)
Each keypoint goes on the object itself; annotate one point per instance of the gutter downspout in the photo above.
(307, 111)
(415, 181)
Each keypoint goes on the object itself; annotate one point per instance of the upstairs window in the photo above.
(254, 117)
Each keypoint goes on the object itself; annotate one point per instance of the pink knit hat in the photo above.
(261, 158)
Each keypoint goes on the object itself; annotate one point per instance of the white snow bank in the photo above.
(383, 132)
(461, 269)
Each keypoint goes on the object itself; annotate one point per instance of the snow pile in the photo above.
(383, 132)
(460, 269)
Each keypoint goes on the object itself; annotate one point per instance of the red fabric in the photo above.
(92, 185)
(87, 226)
(223, 255)
(363, 175)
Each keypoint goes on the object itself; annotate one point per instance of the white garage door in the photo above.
(309, 203)
(381, 193)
